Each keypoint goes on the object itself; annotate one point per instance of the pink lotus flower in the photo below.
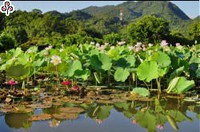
(75, 88)
(150, 45)
(121, 43)
(160, 127)
(178, 44)
(102, 47)
(66, 83)
(163, 43)
(137, 49)
(130, 47)
(138, 44)
(12, 82)
(49, 47)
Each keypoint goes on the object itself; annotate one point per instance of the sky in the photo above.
(190, 8)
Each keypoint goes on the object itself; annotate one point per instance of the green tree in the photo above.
(148, 29)
(194, 31)
(6, 42)
(112, 38)
(2, 21)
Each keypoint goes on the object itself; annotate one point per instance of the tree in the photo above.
(112, 38)
(2, 21)
(6, 42)
(148, 29)
(194, 31)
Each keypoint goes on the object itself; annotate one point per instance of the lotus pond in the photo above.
(100, 87)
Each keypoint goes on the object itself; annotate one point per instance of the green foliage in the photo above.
(147, 71)
(146, 119)
(73, 67)
(112, 38)
(121, 74)
(180, 85)
(109, 66)
(141, 91)
(6, 42)
(18, 72)
(148, 29)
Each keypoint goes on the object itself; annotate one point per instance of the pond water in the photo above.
(131, 116)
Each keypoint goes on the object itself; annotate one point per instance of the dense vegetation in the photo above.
(99, 24)
(159, 66)
(94, 46)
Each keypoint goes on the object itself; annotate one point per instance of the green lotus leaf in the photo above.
(72, 67)
(180, 85)
(106, 62)
(141, 91)
(17, 71)
(83, 74)
(121, 74)
(147, 71)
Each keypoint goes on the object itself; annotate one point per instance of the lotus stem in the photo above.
(158, 85)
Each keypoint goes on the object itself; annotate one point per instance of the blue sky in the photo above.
(191, 8)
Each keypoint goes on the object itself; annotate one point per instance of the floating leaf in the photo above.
(66, 116)
(141, 91)
(71, 110)
(41, 117)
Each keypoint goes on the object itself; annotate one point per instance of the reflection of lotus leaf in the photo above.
(17, 120)
(41, 117)
(66, 116)
(103, 112)
(179, 116)
(122, 105)
(71, 110)
(146, 120)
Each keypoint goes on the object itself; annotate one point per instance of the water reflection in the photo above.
(163, 115)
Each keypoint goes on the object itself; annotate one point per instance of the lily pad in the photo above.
(41, 117)
(71, 110)
(66, 116)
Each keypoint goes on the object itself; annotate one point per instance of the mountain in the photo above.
(133, 10)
